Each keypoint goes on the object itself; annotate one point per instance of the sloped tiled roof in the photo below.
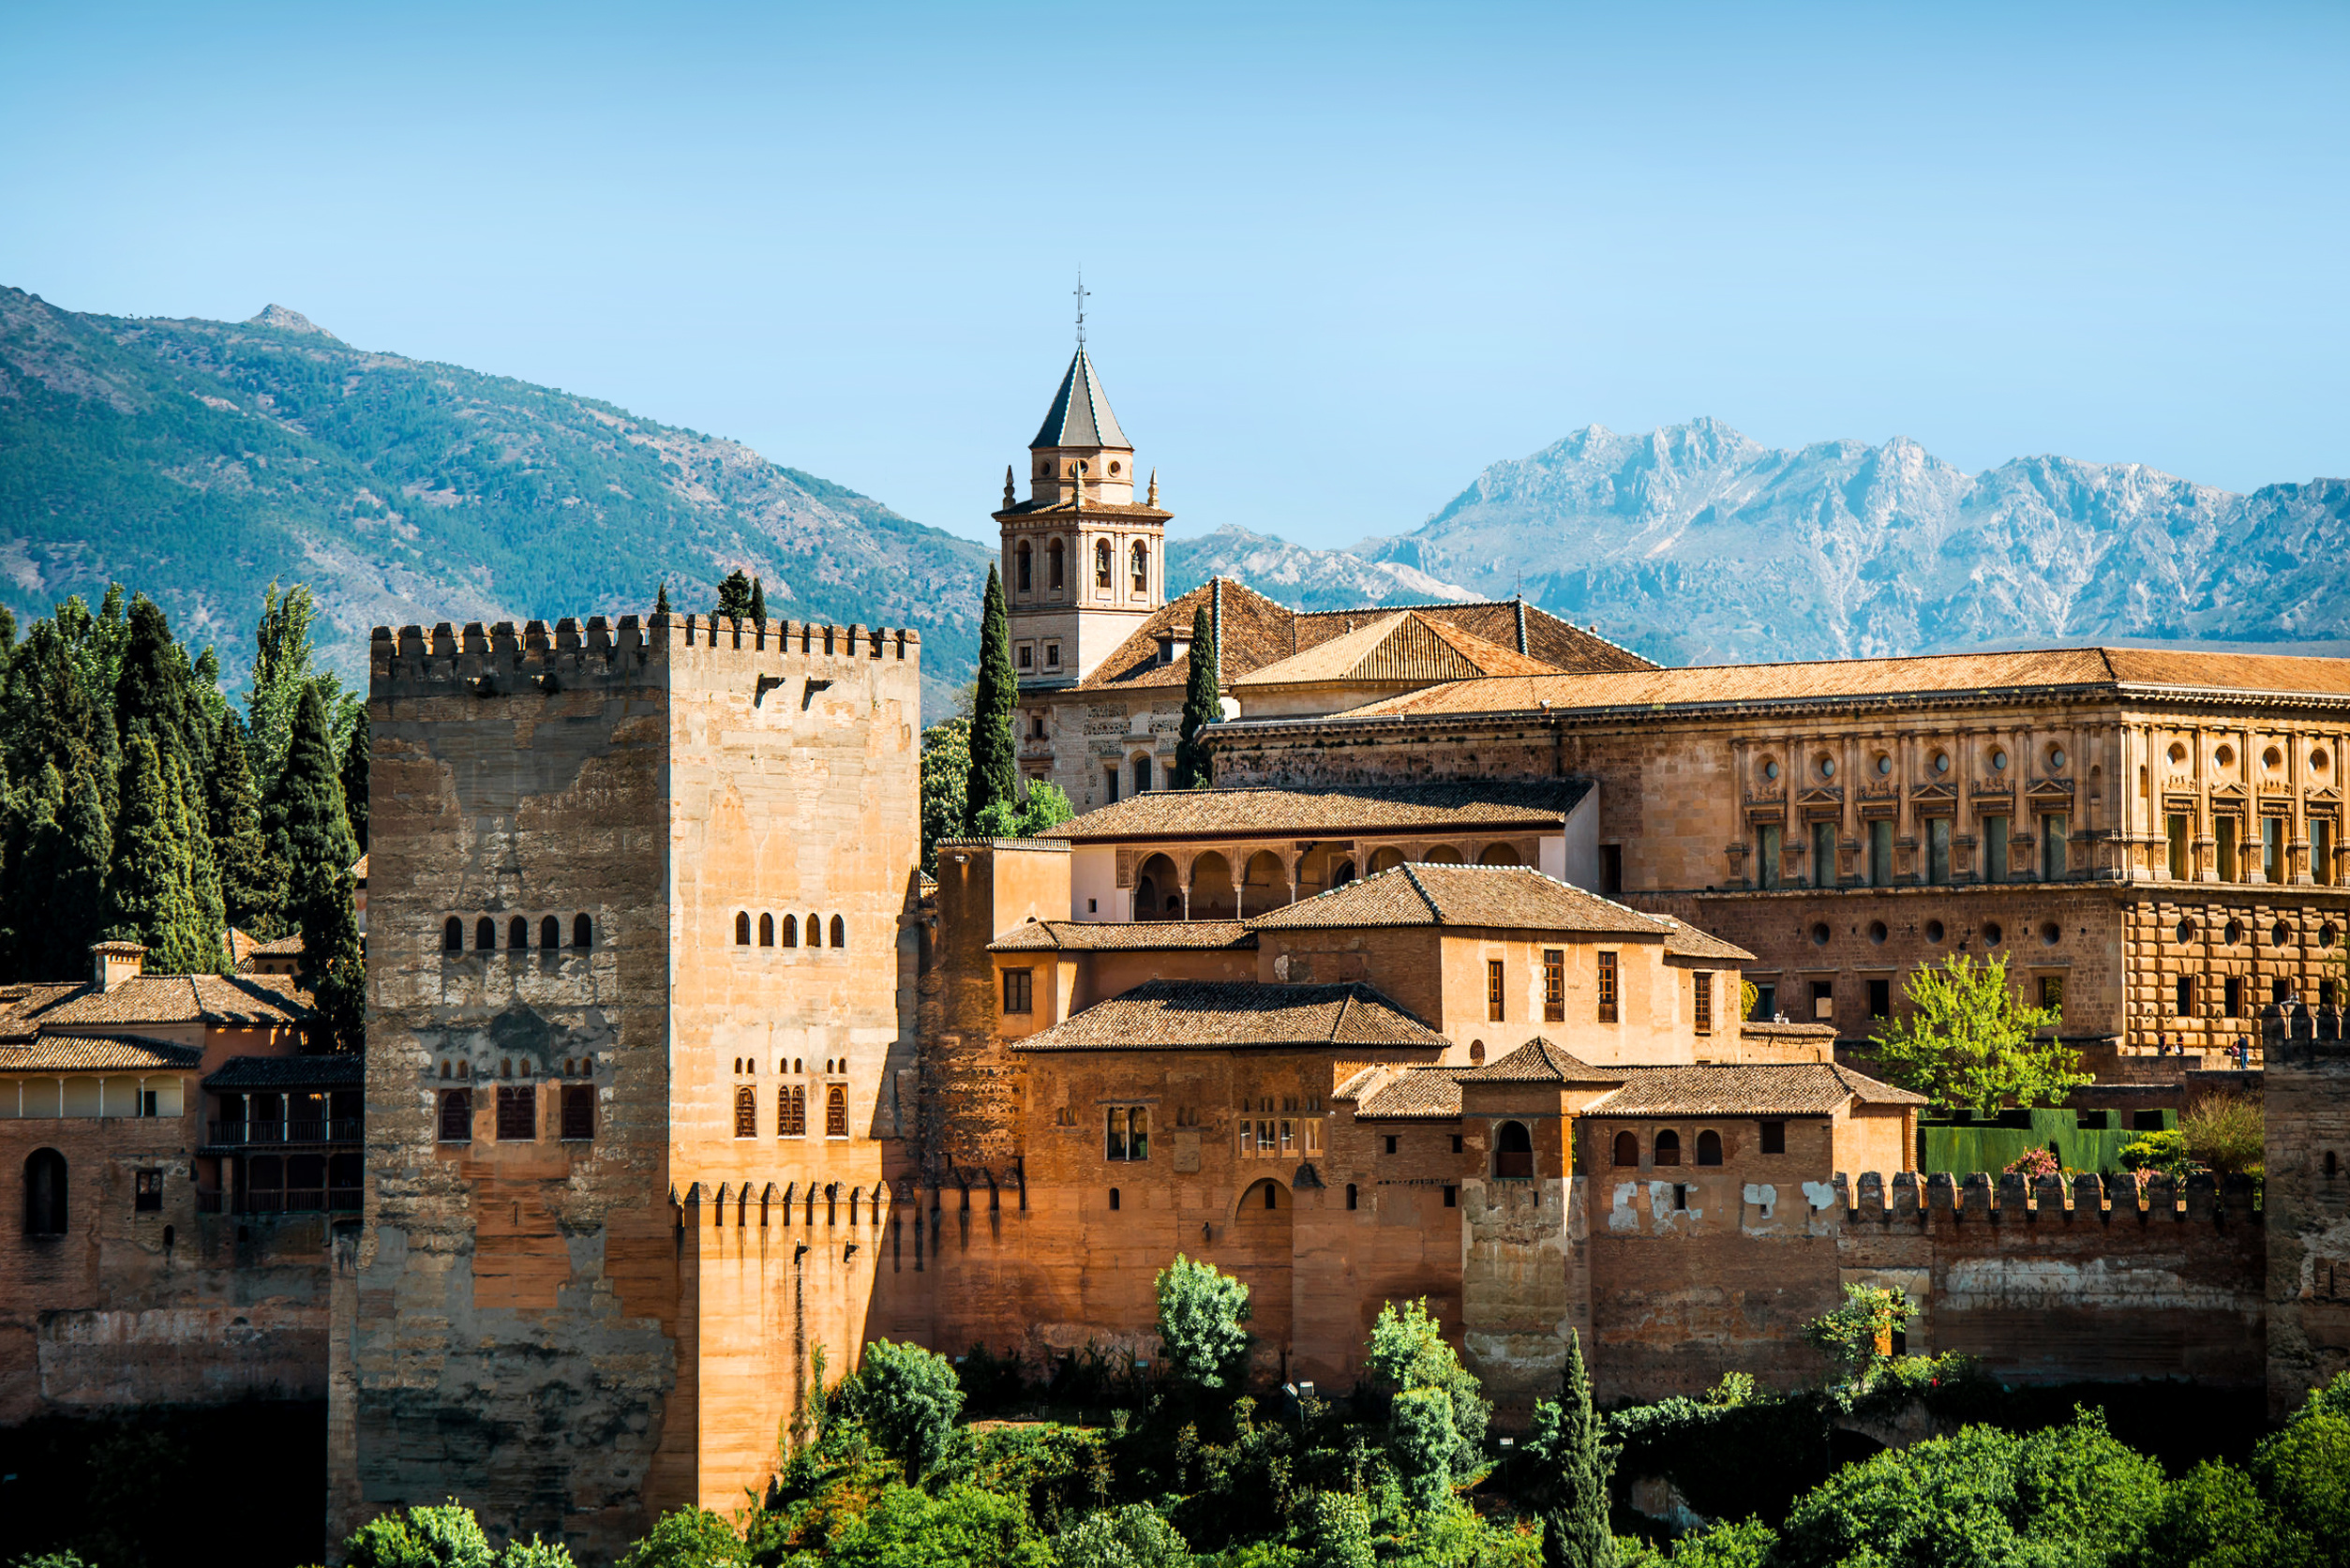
(97, 1054)
(1511, 897)
(1095, 936)
(220, 999)
(1688, 941)
(1404, 646)
(1325, 812)
(1080, 415)
(1538, 1061)
(1160, 1015)
(1747, 1089)
(1831, 678)
(323, 1070)
(1420, 1093)
(19, 1005)
(1559, 644)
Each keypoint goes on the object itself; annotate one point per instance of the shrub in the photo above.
(965, 1528)
(2032, 1164)
(908, 1400)
(444, 1537)
(1133, 1536)
(1408, 1351)
(1203, 1319)
(2211, 1517)
(689, 1538)
(1426, 1444)
(2159, 1152)
(1336, 1532)
(2224, 1132)
(1857, 1335)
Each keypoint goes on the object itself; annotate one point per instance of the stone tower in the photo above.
(1084, 564)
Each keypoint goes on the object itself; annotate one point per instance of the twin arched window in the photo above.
(1627, 1149)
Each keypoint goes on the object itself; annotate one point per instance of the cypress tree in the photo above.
(149, 896)
(661, 597)
(203, 866)
(759, 602)
(355, 776)
(318, 852)
(252, 881)
(1575, 1533)
(734, 595)
(151, 695)
(994, 773)
(1202, 705)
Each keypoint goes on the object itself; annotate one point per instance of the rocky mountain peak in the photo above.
(287, 320)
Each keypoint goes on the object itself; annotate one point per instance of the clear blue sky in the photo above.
(1342, 257)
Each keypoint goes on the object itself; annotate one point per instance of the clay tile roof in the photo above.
(226, 999)
(1538, 1061)
(1256, 632)
(1828, 679)
(1688, 941)
(97, 1054)
(284, 947)
(1080, 415)
(20, 1005)
(1549, 640)
(1746, 1089)
(1092, 936)
(1160, 1015)
(325, 1070)
(359, 868)
(1359, 1083)
(1403, 646)
(1421, 1092)
(1510, 897)
(1335, 811)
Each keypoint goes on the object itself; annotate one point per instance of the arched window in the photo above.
(1386, 859)
(1351, 1196)
(1101, 564)
(1053, 566)
(517, 934)
(1668, 1147)
(746, 1111)
(1142, 774)
(816, 929)
(1709, 1147)
(1342, 874)
(484, 934)
(1272, 1196)
(766, 931)
(550, 933)
(1442, 855)
(840, 932)
(836, 1111)
(742, 928)
(45, 1193)
(1019, 566)
(1513, 1150)
(1627, 1149)
(1141, 567)
(453, 934)
(1113, 1198)
(791, 932)
(1498, 855)
(582, 931)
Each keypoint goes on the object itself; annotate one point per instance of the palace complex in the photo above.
(1500, 967)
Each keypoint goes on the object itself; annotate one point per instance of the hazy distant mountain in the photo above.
(1302, 578)
(196, 461)
(1693, 543)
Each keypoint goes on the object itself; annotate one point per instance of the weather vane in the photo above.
(1081, 293)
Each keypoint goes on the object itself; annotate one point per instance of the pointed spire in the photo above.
(1080, 415)
(1009, 496)
(1152, 500)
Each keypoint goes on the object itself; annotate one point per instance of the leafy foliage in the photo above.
(1337, 1531)
(1970, 1040)
(689, 1538)
(2032, 1164)
(1201, 706)
(314, 841)
(908, 1400)
(2164, 1152)
(1567, 1443)
(946, 781)
(964, 1528)
(1134, 1536)
(734, 596)
(1203, 1323)
(1407, 1354)
(1857, 1335)
(2225, 1134)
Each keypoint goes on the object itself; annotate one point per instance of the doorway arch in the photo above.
(1158, 893)
(1264, 884)
(1212, 893)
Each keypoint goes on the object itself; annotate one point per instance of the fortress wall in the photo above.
(2306, 1100)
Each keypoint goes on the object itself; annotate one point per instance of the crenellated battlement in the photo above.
(2011, 1199)
(498, 660)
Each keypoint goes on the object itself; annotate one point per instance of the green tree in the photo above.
(661, 597)
(1336, 1531)
(1970, 1041)
(282, 671)
(57, 864)
(1201, 706)
(1044, 808)
(2304, 1472)
(759, 602)
(734, 595)
(150, 893)
(1983, 1498)
(1134, 1536)
(252, 880)
(689, 1538)
(964, 1528)
(355, 776)
(994, 775)
(2214, 1517)
(908, 1398)
(946, 779)
(1577, 1466)
(1408, 1351)
(314, 841)
(152, 694)
(2225, 1133)
(1423, 1445)
(1857, 1336)
(447, 1536)
(1203, 1325)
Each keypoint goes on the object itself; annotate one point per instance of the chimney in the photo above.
(113, 963)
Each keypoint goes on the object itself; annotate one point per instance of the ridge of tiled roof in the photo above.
(1559, 644)
(312, 1070)
(225, 999)
(1256, 631)
(1161, 1015)
(97, 1054)
(1688, 941)
(1122, 936)
(1836, 680)
(1416, 1093)
(1403, 645)
(1460, 806)
(1745, 1088)
(1538, 1061)
(1419, 895)
(1080, 415)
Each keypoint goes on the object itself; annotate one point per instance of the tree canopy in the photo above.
(1968, 1041)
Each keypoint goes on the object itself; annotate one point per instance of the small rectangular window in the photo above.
(1052, 655)
(2175, 828)
(2183, 1005)
(1766, 1003)
(456, 1115)
(1016, 990)
(1823, 1000)
(518, 1113)
(1554, 985)
(2056, 837)
(1493, 991)
(578, 1112)
(1938, 851)
(1127, 1132)
(1452, 1196)
(1611, 869)
(2231, 996)
(147, 1192)
(1608, 988)
(1391, 1142)
(2051, 991)
(1026, 656)
(1769, 852)
(1701, 1002)
(1774, 1138)
(1995, 848)
(1880, 998)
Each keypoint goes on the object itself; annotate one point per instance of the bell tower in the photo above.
(1084, 563)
